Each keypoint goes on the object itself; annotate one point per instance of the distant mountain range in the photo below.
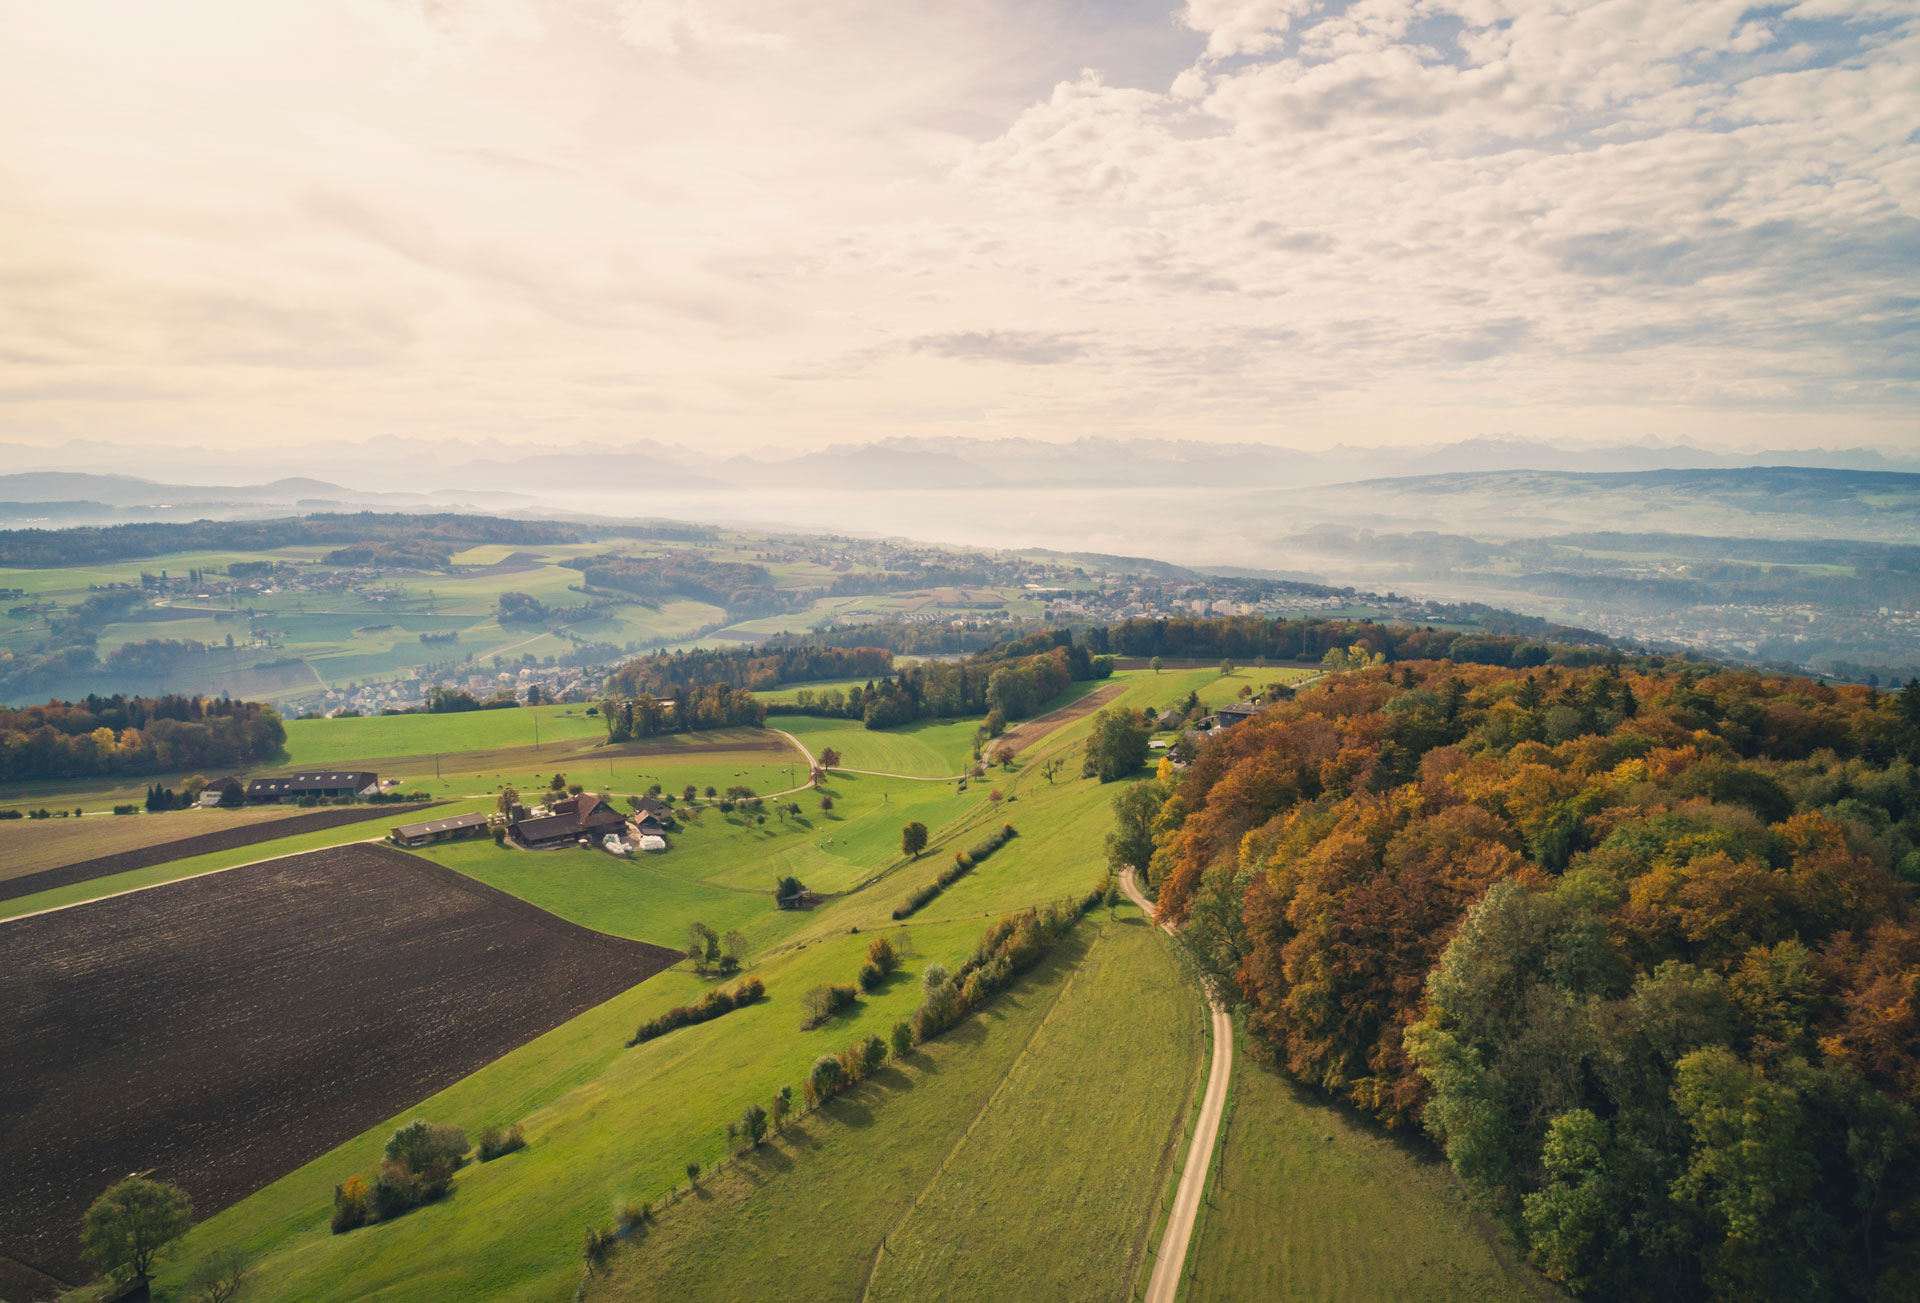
(366, 472)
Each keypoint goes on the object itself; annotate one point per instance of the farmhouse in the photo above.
(439, 830)
(566, 821)
(325, 783)
(1230, 715)
(223, 791)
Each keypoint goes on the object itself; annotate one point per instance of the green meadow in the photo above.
(1309, 1202)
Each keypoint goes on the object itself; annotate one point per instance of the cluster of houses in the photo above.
(584, 819)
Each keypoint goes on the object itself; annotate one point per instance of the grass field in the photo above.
(926, 748)
(352, 741)
(1104, 1086)
(1310, 1203)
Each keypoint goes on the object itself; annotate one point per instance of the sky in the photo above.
(793, 223)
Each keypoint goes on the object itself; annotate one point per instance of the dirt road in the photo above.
(1171, 1260)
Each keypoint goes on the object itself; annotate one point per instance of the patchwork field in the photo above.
(222, 1031)
(30, 845)
(243, 832)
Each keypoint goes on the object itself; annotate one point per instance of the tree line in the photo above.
(682, 711)
(96, 543)
(999, 689)
(1638, 950)
(1246, 637)
(753, 668)
(135, 735)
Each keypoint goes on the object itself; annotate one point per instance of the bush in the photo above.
(633, 1216)
(419, 1145)
(901, 1037)
(712, 1005)
(826, 1078)
(823, 1002)
(873, 1053)
(1009, 947)
(871, 976)
(495, 1143)
(349, 1205)
(11, 814)
(118, 809)
(600, 1242)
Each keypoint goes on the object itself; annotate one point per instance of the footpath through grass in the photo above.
(1310, 1203)
(1056, 1183)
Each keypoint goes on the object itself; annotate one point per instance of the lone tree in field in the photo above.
(129, 1226)
(559, 783)
(913, 838)
(830, 758)
(1117, 748)
(1156, 665)
(1226, 668)
(218, 1277)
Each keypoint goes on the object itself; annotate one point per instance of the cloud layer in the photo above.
(780, 222)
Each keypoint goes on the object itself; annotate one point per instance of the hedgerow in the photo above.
(711, 1006)
(963, 864)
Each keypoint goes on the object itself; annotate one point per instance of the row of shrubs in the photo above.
(1008, 948)
(417, 1169)
(711, 1006)
(963, 862)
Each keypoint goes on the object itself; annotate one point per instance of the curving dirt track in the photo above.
(223, 1030)
(183, 848)
(1170, 1262)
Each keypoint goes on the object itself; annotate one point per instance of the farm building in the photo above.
(1230, 715)
(223, 791)
(439, 830)
(566, 821)
(329, 784)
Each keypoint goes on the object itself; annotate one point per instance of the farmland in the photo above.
(214, 839)
(589, 1148)
(224, 1030)
(1041, 1094)
(30, 845)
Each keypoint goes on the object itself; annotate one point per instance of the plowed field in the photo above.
(185, 848)
(221, 1031)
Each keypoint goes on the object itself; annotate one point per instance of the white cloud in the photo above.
(802, 220)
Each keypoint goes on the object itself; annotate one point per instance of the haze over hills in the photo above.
(650, 466)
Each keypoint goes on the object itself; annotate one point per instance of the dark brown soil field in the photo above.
(221, 1031)
(185, 848)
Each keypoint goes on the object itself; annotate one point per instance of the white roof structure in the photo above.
(652, 843)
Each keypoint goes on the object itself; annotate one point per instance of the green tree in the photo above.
(130, 1225)
(509, 797)
(1130, 844)
(753, 1124)
(1117, 748)
(1156, 665)
(703, 946)
(913, 839)
(1226, 668)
